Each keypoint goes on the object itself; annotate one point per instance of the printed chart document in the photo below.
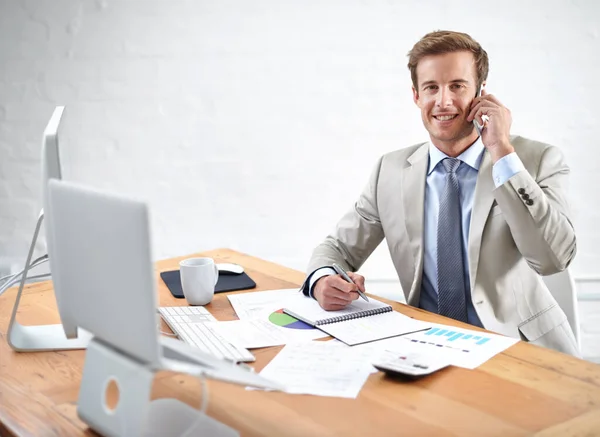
(268, 306)
(359, 322)
(464, 347)
(460, 347)
(251, 334)
(321, 368)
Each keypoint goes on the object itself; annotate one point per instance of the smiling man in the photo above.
(472, 221)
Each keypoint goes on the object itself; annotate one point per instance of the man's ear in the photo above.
(416, 97)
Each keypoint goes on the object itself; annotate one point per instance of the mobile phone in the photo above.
(478, 127)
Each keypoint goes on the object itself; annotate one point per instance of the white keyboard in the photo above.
(188, 323)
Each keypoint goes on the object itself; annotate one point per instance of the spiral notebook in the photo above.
(360, 322)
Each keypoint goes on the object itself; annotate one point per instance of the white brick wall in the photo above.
(229, 117)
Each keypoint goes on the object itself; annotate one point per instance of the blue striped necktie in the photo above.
(450, 263)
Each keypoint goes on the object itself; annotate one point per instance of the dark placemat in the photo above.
(226, 282)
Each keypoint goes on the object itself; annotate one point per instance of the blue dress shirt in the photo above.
(467, 172)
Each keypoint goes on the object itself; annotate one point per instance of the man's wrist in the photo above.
(500, 151)
(505, 168)
(315, 289)
(316, 275)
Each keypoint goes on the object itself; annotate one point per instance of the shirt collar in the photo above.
(472, 156)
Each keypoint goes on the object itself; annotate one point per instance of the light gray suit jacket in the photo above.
(518, 231)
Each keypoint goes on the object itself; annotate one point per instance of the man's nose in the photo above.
(444, 98)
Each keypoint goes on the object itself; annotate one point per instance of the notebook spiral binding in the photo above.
(360, 314)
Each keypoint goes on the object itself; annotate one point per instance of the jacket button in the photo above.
(529, 202)
(521, 191)
(525, 196)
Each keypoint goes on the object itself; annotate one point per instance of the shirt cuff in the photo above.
(316, 275)
(506, 167)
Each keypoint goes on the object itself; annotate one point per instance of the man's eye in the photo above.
(430, 87)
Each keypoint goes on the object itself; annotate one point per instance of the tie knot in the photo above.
(451, 164)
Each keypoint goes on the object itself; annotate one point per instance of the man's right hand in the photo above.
(334, 293)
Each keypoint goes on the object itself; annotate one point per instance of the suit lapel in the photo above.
(413, 197)
(482, 203)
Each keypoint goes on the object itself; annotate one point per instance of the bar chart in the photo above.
(461, 347)
(448, 337)
(454, 336)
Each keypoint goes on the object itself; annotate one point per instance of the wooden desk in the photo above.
(526, 390)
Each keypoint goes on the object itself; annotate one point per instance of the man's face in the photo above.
(447, 85)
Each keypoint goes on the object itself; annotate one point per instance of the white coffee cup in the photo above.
(198, 279)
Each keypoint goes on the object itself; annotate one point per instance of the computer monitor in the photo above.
(104, 269)
(47, 337)
(50, 151)
(51, 169)
(102, 264)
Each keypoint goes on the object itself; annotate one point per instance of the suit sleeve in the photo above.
(356, 235)
(538, 215)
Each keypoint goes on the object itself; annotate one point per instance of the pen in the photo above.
(340, 271)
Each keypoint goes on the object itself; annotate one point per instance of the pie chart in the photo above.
(280, 318)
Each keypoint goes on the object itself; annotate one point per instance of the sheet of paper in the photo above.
(390, 349)
(461, 347)
(464, 347)
(254, 305)
(365, 329)
(268, 306)
(251, 334)
(373, 350)
(320, 368)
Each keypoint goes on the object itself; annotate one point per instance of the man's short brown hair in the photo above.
(446, 41)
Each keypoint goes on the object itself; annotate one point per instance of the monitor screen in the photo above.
(51, 169)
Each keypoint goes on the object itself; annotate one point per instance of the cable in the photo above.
(42, 259)
(17, 276)
(38, 261)
(7, 276)
(15, 280)
(203, 407)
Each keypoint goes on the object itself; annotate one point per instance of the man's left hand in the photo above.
(496, 129)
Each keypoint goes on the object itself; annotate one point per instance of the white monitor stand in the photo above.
(27, 338)
(35, 338)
